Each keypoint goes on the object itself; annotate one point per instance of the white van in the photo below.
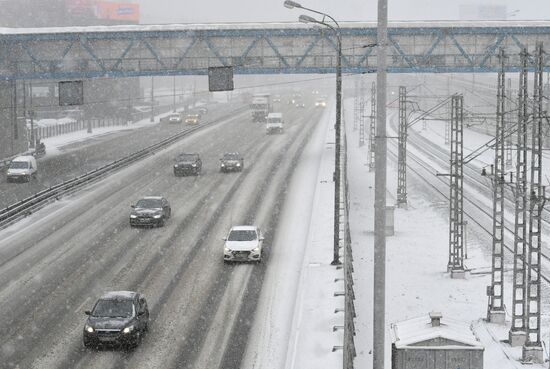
(274, 123)
(22, 168)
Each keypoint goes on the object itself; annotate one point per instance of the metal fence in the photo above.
(94, 123)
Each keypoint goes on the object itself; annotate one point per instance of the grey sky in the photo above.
(181, 11)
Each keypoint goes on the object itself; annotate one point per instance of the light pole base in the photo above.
(497, 317)
(533, 354)
(517, 338)
(458, 274)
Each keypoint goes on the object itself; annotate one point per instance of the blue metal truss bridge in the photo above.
(260, 48)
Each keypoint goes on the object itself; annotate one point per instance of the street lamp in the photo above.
(338, 126)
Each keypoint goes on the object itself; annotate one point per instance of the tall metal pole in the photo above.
(372, 130)
(456, 215)
(174, 93)
(379, 295)
(495, 310)
(518, 327)
(31, 111)
(532, 350)
(152, 98)
(507, 123)
(402, 149)
(338, 126)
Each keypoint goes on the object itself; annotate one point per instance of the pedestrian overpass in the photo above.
(261, 48)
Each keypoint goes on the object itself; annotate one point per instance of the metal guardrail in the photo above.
(26, 206)
(349, 296)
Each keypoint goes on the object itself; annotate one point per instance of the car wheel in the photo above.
(161, 222)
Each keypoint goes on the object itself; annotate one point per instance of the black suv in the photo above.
(231, 161)
(150, 211)
(118, 318)
(188, 164)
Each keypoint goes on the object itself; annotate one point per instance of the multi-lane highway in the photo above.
(54, 265)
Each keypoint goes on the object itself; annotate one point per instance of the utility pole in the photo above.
(449, 113)
(495, 309)
(361, 113)
(372, 130)
(507, 125)
(379, 295)
(456, 224)
(174, 93)
(518, 329)
(31, 113)
(356, 108)
(532, 350)
(152, 99)
(402, 150)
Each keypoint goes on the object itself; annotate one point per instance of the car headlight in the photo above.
(223, 165)
(226, 249)
(89, 328)
(158, 216)
(193, 165)
(128, 329)
(257, 249)
(175, 165)
(133, 216)
(238, 164)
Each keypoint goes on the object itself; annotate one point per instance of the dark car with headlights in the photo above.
(118, 318)
(187, 164)
(231, 161)
(150, 211)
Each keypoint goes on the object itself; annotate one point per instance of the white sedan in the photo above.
(243, 243)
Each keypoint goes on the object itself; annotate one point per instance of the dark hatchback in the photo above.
(188, 164)
(231, 162)
(150, 211)
(119, 318)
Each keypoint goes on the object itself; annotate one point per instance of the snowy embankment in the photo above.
(417, 281)
(295, 316)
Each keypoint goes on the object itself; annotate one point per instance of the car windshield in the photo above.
(242, 235)
(192, 115)
(231, 157)
(19, 165)
(149, 203)
(113, 308)
(175, 116)
(274, 120)
(186, 157)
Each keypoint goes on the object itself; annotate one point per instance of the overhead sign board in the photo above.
(220, 79)
(71, 93)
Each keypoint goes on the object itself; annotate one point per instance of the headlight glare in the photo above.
(128, 329)
(89, 328)
(158, 216)
(133, 216)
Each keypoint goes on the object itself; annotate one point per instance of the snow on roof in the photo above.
(153, 197)
(264, 26)
(420, 329)
(275, 115)
(119, 294)
(23, 158)
(243, 228)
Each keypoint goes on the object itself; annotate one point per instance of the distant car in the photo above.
(192, 118)
(22, 168)
(117, 318)
(188, 164)
(150, 211)
(276, 98)
(202, 110)
(175, 118)
(320, 103)
(299, 104)
(274, 123)
(231, 161)
(243, 243)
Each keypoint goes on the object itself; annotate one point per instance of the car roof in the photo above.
(275, 115)
(23, 158)
(231, 153)
(119, 295)
(244, 228)
(152, 198)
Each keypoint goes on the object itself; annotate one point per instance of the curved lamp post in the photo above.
(338, 126)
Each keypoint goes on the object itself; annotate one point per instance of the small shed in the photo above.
(432, 342)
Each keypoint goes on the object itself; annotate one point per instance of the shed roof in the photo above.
(416, 330)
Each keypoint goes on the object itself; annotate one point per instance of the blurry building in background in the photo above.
(476, 11)
(104, 97)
